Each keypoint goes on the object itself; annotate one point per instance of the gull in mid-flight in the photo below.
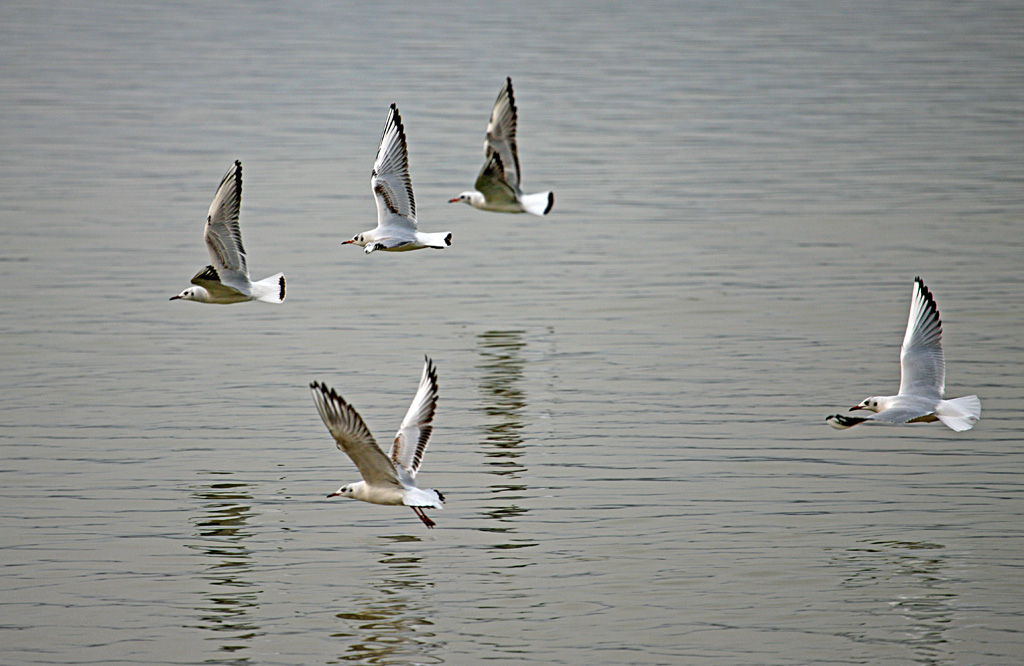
(396, 208)
(387, 479)
(923, 378)
(497, 185)
(226, 279)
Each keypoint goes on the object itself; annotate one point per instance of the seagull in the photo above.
(387, 479)
(226, 279)
(923, 378)
(396, 207)
(497, 185)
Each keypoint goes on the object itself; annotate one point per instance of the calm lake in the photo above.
(630, 433)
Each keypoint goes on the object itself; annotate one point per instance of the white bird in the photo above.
(396, 208)
(923, 378)
(387, 479)
(497, 185)
(226, 279)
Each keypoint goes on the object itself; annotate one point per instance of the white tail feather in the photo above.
(269, 290)
(538, 204)
(438, 241)
(423, 497)
(960, 413)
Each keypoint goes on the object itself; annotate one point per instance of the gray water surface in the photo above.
(631, 430)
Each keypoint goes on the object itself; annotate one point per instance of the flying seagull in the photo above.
(387, 479)
(396, 208)
(226, 279)
(497, 185)
(923, 378)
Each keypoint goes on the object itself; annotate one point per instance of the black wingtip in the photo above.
(845, 421)
(209, 273)
(281, 282)
(927, 295)
(324, 389)
(396, 118)
(448, 239)
(551, 202)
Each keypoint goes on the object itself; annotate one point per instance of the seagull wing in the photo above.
(922, 365)
(501, 133)
(412, 437)
(391, 184)
(223, 236)
(353, 437)
(209, 279)
(492, 182)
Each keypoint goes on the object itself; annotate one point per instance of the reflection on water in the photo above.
(503, 401)
(391, 625)
(221, 531)
(909, 578)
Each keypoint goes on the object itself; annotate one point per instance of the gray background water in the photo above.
(631, 428)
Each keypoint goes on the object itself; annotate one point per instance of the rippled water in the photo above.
(631, 428)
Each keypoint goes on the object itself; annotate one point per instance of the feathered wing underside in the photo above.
(223, 235)
(353, 437)
(501, 133)
(414, 434)
(390, 181)
(922, 365)
(492, 182)
(210, 279)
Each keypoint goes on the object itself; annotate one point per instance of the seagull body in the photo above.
(497, 185)
(396, 229)
(923, 378)
(226, 279)
(387, 479)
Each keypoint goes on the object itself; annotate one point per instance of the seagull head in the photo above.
(193, 294)
(358, 239)
(870, 404)
(344, 491)
(473, 198)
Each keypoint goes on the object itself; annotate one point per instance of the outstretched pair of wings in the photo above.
(223, 236)
(390, 181)
(355, 440)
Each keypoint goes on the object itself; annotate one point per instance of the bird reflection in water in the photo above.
(392, 625)
(221, 531)
(910, 578)
(503, 401)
